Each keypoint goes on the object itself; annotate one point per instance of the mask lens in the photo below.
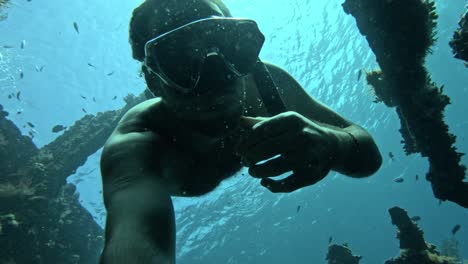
(175, 58)
(179, 55)
(243, 46)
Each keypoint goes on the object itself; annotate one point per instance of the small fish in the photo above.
(390, 154)
(115, 97)
(90, 65)
(417, 177)
(18, 113)
(330, 239)
(58, 128)
(75, 25)
(30, 124)
(39, 69)
(455, 229)
(399, 180)
(359, 75)
(9, 96)
(110, 73)
(7, 46)
(84, 110)
(31, 134)
(94, 99)
(23, 44)
(298, 209)
(415, 218)
(18, 95)
(82, 96)
(442, 89)
(21, 74)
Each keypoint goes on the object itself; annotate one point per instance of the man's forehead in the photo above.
(173, 17)
(190, 8)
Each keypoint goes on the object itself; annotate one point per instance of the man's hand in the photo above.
(304, 147)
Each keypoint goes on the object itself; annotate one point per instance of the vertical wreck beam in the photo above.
(413, 247)
(400, 33)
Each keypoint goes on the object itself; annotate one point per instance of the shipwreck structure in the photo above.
(459, 42)
(41, 219)
(400, 33)
(341, 254)
(413, 248)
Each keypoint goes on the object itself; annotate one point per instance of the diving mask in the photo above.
(179, 57)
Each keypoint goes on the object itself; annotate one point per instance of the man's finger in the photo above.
(270, 127)
(293, 182)
(285, 185)
(270, 168)
(271, 147)
(248, 121)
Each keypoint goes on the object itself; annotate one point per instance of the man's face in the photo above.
(215, 99)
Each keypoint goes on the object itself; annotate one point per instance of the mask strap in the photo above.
(267, 89)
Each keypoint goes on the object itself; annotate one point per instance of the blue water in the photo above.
(240, 222)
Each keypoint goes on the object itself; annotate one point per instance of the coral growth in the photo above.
(341, 254)
(3, 3)
(24, 188)
(459, 42)
(400, 33)
(414, 250)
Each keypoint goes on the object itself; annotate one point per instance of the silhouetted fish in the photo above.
(90, 65)
(21, 74)
(298, 209)
(94, 99)
(23, 44)
(75, 25)
(30, 124)
(115, 97)
(82, 96)
(18, 95)
(417, 177)
(390, 154)
(18, 113)
(455, 229)
(416, 218)
(9, 96)
(58, 128)
(39, 69)
(110, 73)
(7, 46)
(399, 180)
(84, 110)
(330, 239)
(359, 75)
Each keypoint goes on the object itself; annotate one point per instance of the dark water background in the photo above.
(240, 222)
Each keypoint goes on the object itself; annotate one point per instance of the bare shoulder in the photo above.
(133, 130)
(137, 118)
(132, 147)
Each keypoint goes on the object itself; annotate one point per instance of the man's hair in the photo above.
(154, 17)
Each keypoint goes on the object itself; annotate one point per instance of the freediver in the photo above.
(217, 108)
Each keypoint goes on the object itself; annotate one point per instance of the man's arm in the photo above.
(140, 224)
(358, 155)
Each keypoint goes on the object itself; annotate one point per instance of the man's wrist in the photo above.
(347, 148)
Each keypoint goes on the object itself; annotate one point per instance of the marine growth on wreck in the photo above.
(401, 33)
